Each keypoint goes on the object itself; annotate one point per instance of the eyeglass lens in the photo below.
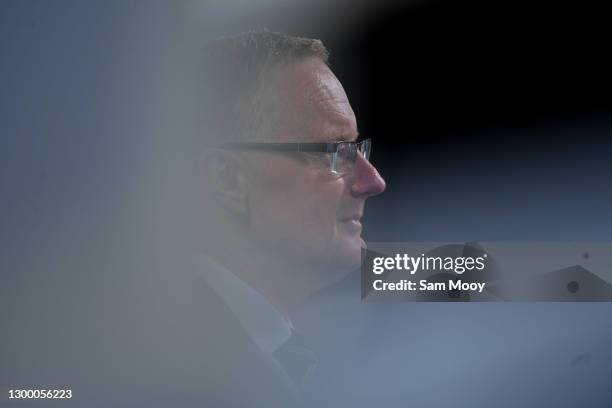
(346, 155)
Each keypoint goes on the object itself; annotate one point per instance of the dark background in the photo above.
(490, 120)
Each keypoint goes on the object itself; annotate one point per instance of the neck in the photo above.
(282, 282)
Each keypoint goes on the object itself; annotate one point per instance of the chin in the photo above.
(340, 258)
(348, 255)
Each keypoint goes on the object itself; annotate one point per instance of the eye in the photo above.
(343, 165)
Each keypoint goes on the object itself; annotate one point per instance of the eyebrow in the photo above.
(344, 138)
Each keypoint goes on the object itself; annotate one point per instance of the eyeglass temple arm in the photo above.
(283, 147)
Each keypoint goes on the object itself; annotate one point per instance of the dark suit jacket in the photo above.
(142, 335)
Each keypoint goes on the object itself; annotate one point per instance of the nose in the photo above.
(366, 181)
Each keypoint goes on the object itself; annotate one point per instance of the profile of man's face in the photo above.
(298, 209)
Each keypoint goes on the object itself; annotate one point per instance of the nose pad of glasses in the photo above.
(334, 163)
(364, 149)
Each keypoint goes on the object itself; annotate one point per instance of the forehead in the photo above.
(312, 103)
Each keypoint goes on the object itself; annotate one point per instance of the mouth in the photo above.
(352, 223)
(354, 217)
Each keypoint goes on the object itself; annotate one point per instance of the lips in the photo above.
(354, 217)
(351, 225)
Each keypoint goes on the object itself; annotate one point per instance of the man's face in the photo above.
(299, 208)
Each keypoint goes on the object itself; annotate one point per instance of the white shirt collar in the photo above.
(265, 325)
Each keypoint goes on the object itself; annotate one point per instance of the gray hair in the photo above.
(237, 72)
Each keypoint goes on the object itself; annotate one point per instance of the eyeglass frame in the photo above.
(306, 147)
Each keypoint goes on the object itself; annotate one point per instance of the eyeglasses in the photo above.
(338, 157)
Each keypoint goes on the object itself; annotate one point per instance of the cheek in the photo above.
(300, 208)
(320, 212)
(314, 205)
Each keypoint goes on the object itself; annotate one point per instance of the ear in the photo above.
(227, 181)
